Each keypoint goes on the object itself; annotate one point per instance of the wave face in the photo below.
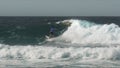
(27, 34)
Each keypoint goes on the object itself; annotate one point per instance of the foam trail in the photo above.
(84, 32)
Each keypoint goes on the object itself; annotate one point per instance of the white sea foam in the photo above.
(45, 52)
(83, 32)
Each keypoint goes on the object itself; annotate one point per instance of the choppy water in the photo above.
(86, 42)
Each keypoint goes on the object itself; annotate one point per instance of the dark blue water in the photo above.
(32, 30)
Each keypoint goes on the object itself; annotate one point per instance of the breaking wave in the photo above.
(45, 52)
(82, 40)
(83, 32)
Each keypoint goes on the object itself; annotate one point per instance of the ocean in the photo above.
(78, 42)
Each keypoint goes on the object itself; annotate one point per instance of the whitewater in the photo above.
(83, 44)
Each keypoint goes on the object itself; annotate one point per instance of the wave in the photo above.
(47, 52)
(82, 40)
(74, 31)
(85, 32)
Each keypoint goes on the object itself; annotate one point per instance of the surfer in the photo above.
(52, 30)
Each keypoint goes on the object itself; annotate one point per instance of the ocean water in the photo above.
(79, 42)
